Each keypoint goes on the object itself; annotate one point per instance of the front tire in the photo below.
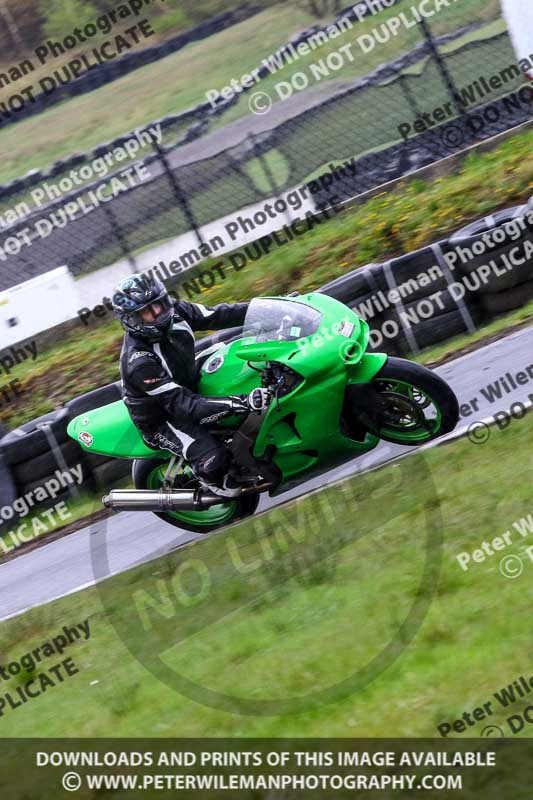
(149, 474)
(412, 405)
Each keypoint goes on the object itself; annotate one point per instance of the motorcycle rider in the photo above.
(159, 376)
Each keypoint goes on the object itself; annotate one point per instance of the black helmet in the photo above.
(136, 293)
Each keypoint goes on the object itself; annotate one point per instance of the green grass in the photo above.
(389, 224)
(288, 604)
(166, 86)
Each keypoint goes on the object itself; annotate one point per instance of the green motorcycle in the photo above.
(331, 401)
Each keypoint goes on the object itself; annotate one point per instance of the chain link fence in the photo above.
(446, 93)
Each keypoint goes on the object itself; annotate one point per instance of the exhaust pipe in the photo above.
(159, 500)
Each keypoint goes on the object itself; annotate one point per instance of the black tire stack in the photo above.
(513, 288)
(8, 490)
(103, 469)
(454, 313)
(33, 461)
(449, 317)
(374, 282)
(37, 451)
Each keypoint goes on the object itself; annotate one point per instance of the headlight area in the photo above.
(279, 377)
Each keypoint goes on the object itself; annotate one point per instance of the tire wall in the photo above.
(430, 295)
(41, 467)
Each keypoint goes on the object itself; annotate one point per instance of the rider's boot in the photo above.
(212, 472)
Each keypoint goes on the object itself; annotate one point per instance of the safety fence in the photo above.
(201, 114)
(112, 70)
(410, 303)
(109, 71)
(192, 177)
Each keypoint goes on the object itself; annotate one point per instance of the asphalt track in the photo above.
(64, 566)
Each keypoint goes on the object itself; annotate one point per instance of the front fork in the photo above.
(360, 393)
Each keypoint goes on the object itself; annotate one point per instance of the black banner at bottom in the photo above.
(266, 768)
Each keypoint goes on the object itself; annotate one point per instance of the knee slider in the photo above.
(213, 464)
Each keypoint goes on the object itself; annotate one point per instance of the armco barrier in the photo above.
(32, 453)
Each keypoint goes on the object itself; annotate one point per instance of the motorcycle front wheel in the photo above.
(149, 474)
(413, 404)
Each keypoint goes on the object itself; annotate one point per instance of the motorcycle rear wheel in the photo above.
(149, 474)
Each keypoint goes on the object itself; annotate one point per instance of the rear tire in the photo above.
(148, 474)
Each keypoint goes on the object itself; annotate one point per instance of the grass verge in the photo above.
(290, 603)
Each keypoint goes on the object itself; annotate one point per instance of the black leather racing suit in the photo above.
(159, 381)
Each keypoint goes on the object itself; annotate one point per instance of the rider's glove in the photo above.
(258, 400)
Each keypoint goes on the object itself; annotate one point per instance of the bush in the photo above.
(62, 16)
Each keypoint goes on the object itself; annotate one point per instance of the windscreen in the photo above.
(280, 320)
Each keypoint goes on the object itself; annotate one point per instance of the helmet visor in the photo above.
(157, 313)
